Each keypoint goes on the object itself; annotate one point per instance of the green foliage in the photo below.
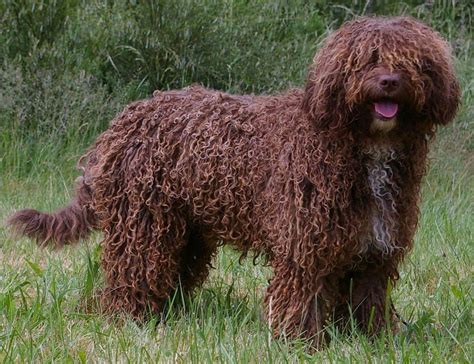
(33, 24)
(171, 44)
(66, 66)
(45, 115)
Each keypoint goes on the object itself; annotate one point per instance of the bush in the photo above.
(66, 65)
(45, 116)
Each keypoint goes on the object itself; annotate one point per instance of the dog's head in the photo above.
(381, 75)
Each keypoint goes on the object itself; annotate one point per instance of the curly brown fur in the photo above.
(68, 225)
(324, 182)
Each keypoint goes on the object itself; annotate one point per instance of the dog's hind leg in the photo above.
(142, 254)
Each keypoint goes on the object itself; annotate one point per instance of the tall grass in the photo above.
(66, 67)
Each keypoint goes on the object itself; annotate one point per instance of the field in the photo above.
(66, 68)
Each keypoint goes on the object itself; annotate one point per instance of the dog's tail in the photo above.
(68, 225)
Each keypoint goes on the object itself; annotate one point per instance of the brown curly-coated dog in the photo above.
(323, 181)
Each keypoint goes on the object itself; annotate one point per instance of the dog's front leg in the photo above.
(369, 298)
(297, 304)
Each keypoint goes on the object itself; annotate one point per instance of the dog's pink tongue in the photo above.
(387, 109)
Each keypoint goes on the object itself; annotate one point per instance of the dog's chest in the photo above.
(380, 234)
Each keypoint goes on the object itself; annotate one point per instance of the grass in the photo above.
(43, 293)
(67, 67)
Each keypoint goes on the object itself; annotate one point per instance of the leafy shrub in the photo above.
(44, 116)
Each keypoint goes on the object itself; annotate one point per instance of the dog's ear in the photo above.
(444, 99)
(324, 99)
(443, 102)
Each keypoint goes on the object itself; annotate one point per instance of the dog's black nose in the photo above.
(389, 82)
